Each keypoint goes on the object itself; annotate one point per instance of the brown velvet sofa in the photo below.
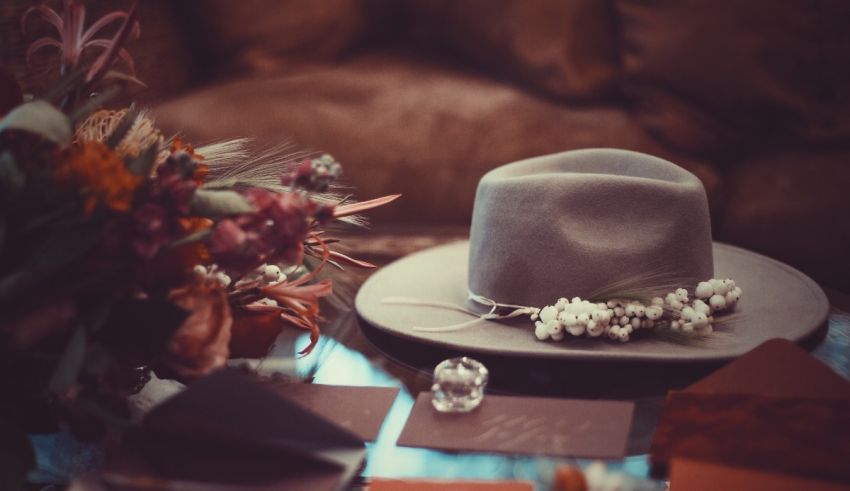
(422, 97)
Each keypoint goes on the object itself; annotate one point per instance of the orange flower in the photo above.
(200, 345)
(195, 224)
(193, 253)
(100, 175)
(201, 170)
(299, 300)
(300, 304)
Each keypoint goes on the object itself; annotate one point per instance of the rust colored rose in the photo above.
(254, 333)
(200, 345)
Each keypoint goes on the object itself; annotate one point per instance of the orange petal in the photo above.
(351, 260)
(355, 208)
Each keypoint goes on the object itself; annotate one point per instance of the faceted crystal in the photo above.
(458, 385)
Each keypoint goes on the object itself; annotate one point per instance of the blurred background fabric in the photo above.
(422, 97)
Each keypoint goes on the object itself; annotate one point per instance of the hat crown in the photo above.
(578, 222)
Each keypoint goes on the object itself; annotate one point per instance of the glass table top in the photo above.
(349, 354)
(354, 360)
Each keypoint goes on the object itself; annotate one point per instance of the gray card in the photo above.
(524, 425)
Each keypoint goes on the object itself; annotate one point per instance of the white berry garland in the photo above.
(619, 318)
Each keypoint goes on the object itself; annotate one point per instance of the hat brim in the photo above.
(778, 302)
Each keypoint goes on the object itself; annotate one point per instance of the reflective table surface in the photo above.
(350, 353)
(358, 355)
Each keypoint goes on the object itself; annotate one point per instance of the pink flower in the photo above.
(275, 231)
(313, 174)
(159, 219)
(228, 237)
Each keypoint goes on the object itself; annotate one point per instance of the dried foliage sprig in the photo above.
(74, 39)
(124, 252)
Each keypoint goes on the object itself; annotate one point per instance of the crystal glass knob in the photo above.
(458, 385)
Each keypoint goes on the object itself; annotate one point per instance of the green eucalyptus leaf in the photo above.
(12, 179)
(41, 118)
(64, 244)
(226, 183)
(234, 183)
(100, 360)
(50, 218)
(142, 164)
(193, 237)
(97, 317)
(212, 203)
(70, 363)
(65, 86)
(16, 456)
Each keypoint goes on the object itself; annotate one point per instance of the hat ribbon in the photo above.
(516, 311)
(617, 317)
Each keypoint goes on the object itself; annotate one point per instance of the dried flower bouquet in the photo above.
(122, 250)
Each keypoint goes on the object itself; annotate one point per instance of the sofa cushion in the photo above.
(794, 206)
(714, 76)
(558, 47)
(266, 35)
(400, 125)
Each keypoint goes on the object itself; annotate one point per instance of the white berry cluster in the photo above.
(211, 274)
(267, 274)
(619, 318)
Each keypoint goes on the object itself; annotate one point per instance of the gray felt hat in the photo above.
(576, 224)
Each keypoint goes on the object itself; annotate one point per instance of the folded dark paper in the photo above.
(777, 368)
(776, 407)
(691, 475)
(800, 436)
(524, 425)
(360, 410)
(230, 430)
